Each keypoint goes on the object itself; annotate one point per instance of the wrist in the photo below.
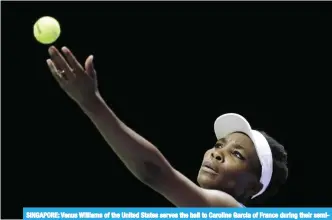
(92, 104)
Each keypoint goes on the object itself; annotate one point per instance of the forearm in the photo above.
(142, 158)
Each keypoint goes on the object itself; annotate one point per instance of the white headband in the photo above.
(230, 123)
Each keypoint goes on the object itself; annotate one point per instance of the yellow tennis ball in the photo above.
(46, 30)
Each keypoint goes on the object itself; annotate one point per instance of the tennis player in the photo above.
(242, 165)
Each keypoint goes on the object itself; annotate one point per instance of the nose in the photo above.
(215, 154)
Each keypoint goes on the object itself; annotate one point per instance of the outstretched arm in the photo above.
(143, 159)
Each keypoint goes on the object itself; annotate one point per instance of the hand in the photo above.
(78, 82)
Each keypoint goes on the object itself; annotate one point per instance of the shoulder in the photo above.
(218, 198)
(182, 192)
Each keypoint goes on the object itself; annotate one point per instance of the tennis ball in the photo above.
(46, 30)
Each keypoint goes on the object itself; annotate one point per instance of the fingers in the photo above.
(60, 63)
(54, 71)
(73, 63)
(69, 65)
(89, 67)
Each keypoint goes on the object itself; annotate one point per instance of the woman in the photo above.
(242, 165)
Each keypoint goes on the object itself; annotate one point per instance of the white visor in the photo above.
(230, 123)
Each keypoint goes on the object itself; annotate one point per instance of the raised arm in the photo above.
(142, 158)
(147, 163)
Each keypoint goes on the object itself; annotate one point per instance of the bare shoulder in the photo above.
(218, 198)
(182, 192)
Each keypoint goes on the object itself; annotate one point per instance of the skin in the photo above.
(235, 167)
(234, 182)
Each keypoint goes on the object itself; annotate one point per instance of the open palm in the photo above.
(79, 82)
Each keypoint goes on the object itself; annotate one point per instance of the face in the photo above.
(232, 166)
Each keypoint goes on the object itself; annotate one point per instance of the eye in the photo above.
(238, 155)
(218, 145)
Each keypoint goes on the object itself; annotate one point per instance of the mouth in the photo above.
(208, 167)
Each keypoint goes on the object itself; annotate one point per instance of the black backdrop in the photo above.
(167, 70)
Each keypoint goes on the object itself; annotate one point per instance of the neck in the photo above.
(242, 198)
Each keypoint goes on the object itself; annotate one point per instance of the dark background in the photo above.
(168, 70)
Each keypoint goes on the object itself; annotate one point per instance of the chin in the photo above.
(205, 181)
